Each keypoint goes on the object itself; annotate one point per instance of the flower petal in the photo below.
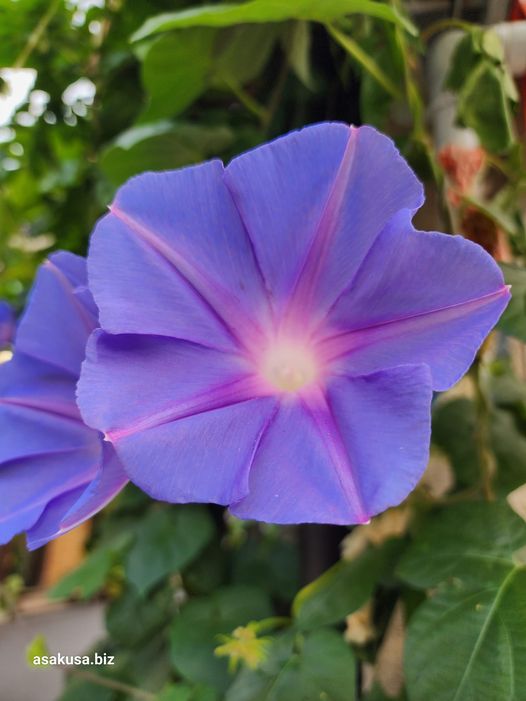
(72, 508)
(396, 405)
(38, 413)
(108, 482)
(47, 526)
(29, 484)
(419, 297)
(181, 378)
(293, 478)
(7, 323)
(72, 267)
(53, 307)
(14, 523)
(185, 266)
(314, 202)
(322, 461)
(27, 431)
(202, 458)
(26, 380)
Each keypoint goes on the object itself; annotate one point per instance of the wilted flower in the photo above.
(272, 332)
(54, 471)
(7, 324)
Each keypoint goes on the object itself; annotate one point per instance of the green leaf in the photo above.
(454, 432)
(168, 540)
(161, 146)
(478, 73)
(88, 579)
(509, 447)
(378, 694)
(319, 666)
(484, 107)
(380, 41)
(178, 67)
(209, 571)
(176, 692)
(469, 644)
(38, 647)
(185, 692)
(131, 619)
(145, 665)
(297, 46)
(258, 11)
(79, 690)
(466, 56)
(269, 563)
(343, 588)
(91, 576)
(454, 424)
(194, 632)
(241, 53)
(366, 62)
(175, 71)
(18, 22)
(506, 390)
(513, 321)
(491, 45)
(469, 542)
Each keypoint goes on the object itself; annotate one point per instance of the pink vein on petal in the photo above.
(221, 396)
(87, 319)
(215, 297)
(341, 344)
(315, 259)
(321, 412)
(64, 411)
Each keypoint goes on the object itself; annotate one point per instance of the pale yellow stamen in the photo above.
(289, 366)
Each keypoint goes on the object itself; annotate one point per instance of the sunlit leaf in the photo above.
(175, 71)
(268, 11)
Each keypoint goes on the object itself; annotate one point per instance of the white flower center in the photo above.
(289, 366)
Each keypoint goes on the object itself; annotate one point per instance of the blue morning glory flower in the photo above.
(272, 332)
(7, 323)
(54, 471)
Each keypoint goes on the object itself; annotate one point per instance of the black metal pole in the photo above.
(319, 549)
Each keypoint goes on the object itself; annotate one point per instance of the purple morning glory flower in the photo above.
(7, 323)
(55, 472)
(272, 332)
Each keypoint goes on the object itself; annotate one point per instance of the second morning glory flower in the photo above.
(7, 323)
(55, 472)
(271, 333)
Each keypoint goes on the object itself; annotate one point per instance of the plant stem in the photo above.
(132, 691)
(356, 51)
(36, 35)
(482, 433)
(275, 98)
(442, 25)
(246, 99)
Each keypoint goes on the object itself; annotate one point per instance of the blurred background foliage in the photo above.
(201, 607)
